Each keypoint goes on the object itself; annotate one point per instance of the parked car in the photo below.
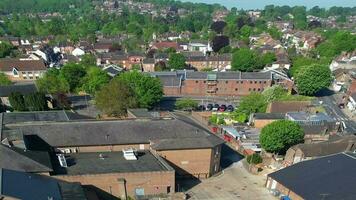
(222, 108)
(209, 107)
(216, 107)
(230, 108)
(201, 108)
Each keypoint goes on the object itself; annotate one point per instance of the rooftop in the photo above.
(7, 64)
(91, 133)
(333, 176)
(24, 89)
(111, 162)
(287, 106)
(21, 185)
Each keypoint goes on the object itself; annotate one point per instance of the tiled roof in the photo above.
(7, 64)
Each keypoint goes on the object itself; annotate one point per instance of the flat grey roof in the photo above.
(24, 89)
(113, 162)
(94, 133)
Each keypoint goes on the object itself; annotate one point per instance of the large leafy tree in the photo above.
(36, 101)
(218, 26)
(253, 103)
(73, 74)
(4, 80)
(88, 60)
(313, 78)
(148, 90)
(244, 60)
(52, 82)
(278, 136)
(176, 61)
(94, 79)
(5, 49)
(220, 42)
(115, 98)
(17, 101)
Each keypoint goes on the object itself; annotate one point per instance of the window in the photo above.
(196, 81)
(255, 82)
(242, 82)
(237, 82)
(31, 77)
(29, 72)
(226, 82)
(249, 89)
(204, 81)
(250, 82)
(254, 89)
(140, 191)
(25, 77)
(260, 82)
(23, 72)
(236, 89)
(217, 89)
(258, 89)
(264, 82)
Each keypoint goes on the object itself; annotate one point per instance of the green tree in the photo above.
(36, 101)
(176, 61)
(275, 33)
(4, 80)
(5, 49)
(186, 104)
(148, 90)
(244, 60)
(254, 158)
(94, 79)
(253, 103)
(17, 101)
(265, 59)
(73, 74)
(52, 82)
(115, 98)
(313, 78)
(274, 93)
(279, 136)
(88, 60)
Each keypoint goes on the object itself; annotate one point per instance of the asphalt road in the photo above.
(330, 104)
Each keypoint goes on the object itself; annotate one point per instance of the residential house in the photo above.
(78, 52)
(202, 46)
(337, 144)
(219, 62)
(23, 89)
(351, 104)
(103, 47)
(282, 26)
(112, 70)
(318, 178)
(346, 61)
(165, 45)
(220, 15)
(148, 64)
(22, 69)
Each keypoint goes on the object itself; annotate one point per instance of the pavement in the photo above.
(235, 183)
(330, 104)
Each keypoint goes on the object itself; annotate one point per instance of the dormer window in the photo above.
(15, 71)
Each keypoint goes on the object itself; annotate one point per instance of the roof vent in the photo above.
(62, 160)
(129, 154)
(102, 156)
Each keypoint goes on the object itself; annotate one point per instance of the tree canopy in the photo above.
(17, 101)
(220, 42)
(5, 49)
(313, 78)
(94, 79)
(176, 61)
(279, 136)
(4, 80)
(148, 90)
(73, 74)
(52, 82)
(115, 98)
(186, 104)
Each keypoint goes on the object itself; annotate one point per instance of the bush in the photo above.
(36, 102)
(186, 104)
(17, 101)
(254, 159)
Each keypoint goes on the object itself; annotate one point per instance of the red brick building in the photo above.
(190, 83)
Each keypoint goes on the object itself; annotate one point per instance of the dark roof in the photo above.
(332, 175)
(21, 185)
(329, 147)
(24, 89)
(314, 129)
(7, 64)
(170, 80)
(230, 75)
(111, 162)
(287, 106)
(21, 117)
(21, 160)
(140, 113)
(148, 61)
(185, 143)
(90, 133)
(268, 116)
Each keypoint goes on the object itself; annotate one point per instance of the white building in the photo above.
(78, 52)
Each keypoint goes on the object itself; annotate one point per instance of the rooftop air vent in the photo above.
(129, 154)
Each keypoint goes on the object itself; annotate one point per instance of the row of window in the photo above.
(251, 82)
(236, 89)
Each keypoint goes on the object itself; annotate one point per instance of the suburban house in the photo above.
(123, 158)
(23, 88)
(165, 45)
(22, 69)
(78, 52)
(202, 46)
(219, 62)
(336, 144)
(191, 83)
(329, 177)
(351, 105)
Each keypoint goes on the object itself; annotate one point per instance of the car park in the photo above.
(209, 107)
(230, 108)
(222, 108)
(216, 107)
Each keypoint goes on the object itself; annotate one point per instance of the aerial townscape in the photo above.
(171, 100)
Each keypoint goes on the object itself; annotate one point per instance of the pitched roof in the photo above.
(287, 106)
(26, 161)
(268, 116)
(7, 64)
(332, 176)
(329, 147)
(20, 185)
(24, 89)
(90, 133)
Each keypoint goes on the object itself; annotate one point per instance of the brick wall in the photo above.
(199, 163)
(152, 182)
